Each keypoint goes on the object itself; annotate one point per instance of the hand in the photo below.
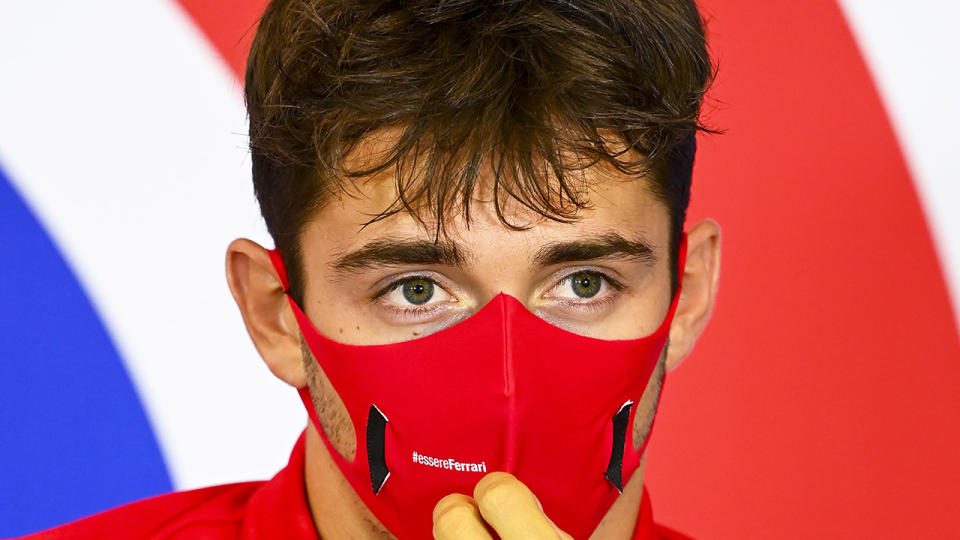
(500, 502)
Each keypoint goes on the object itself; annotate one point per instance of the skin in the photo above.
(365, 304)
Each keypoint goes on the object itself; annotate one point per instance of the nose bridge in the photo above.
(497, 290)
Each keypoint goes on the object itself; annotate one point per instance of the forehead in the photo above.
(614, 201)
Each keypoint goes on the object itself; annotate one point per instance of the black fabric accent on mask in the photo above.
(615, 469)
(376, 435)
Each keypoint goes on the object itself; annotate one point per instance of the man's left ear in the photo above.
(699, 289)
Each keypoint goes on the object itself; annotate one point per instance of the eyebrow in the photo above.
(608, 246)
(394, 252)
(387, 252)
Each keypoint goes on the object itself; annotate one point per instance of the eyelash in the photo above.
(412, 312)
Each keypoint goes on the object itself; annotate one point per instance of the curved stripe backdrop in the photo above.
(820, 402)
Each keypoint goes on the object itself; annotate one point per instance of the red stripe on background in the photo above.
(229, 25)
(821, 402)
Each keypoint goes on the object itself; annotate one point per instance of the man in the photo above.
(482, 270)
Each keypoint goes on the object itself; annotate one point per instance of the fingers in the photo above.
(456, 518)
(512, 510)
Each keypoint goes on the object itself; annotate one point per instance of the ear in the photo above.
(699, 290)
(270, 321)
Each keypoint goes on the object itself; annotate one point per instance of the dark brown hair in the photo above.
(524, 84)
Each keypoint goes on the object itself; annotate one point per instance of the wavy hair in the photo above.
(539, 89)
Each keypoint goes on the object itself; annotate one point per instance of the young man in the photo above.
(482, 270)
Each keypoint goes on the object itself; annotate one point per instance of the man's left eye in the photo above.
(580, 285)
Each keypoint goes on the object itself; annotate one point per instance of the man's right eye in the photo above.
(414, 299)
(414, 293)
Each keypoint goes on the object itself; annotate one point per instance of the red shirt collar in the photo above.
(279, 509)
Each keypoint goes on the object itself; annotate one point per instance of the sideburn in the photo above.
(647, 408)
(331, 411)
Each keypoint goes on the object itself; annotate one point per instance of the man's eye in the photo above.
(585, 284)
(417, 291)
(414, 292)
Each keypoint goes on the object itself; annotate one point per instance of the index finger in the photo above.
(508, 506)
(456, 518)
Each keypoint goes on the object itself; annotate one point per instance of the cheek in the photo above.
(640, 310)
(342, 317)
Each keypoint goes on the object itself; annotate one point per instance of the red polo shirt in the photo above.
(250, 510)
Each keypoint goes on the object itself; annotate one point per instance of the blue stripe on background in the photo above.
(74, 438)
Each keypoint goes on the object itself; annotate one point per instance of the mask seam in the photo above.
(509, 389)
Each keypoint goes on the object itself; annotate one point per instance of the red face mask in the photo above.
(501, 391)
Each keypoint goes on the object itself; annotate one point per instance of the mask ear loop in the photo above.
(278, 265)
(681, 260)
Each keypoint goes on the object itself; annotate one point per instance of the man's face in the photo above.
(605, 275)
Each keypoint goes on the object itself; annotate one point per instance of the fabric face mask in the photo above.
(501, 391)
